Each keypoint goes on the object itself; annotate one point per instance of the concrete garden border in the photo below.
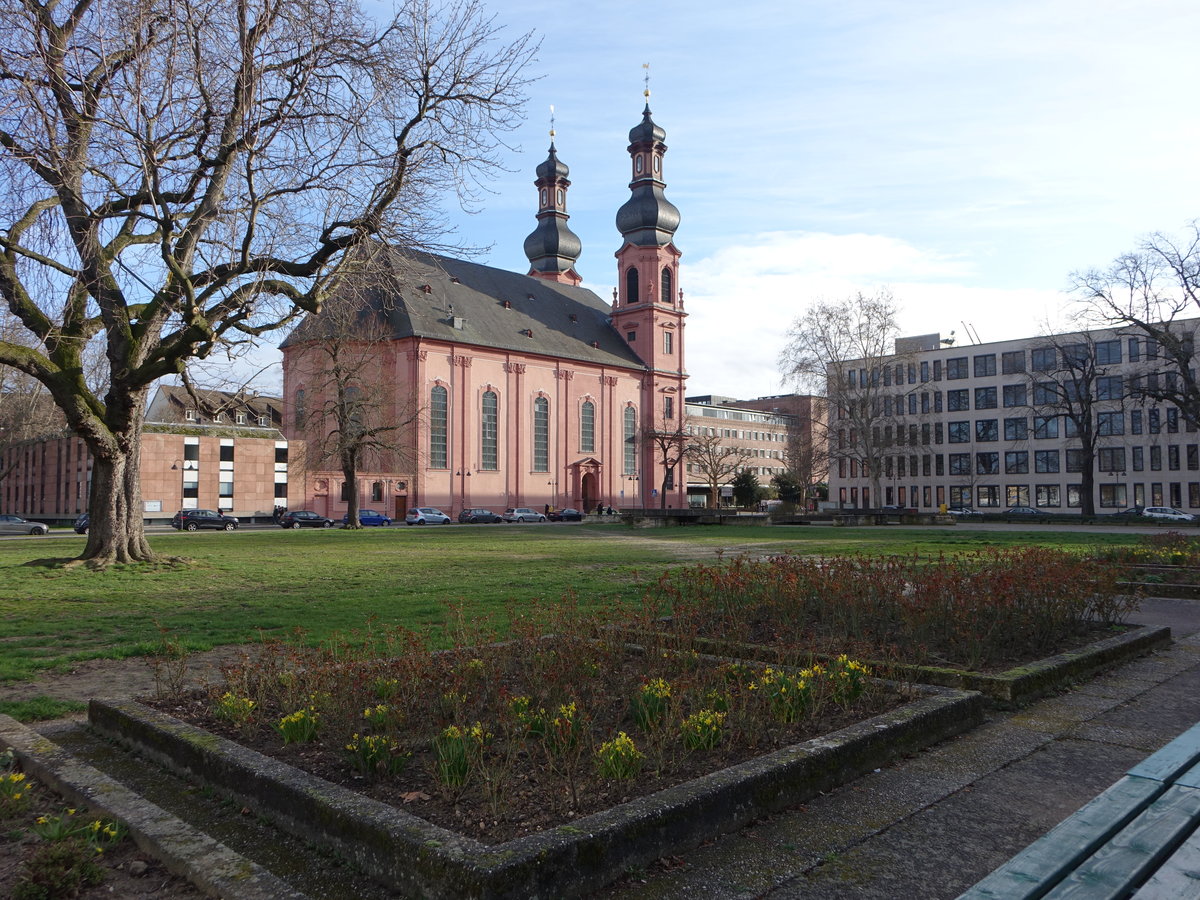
(1015, 687)
(422, 859)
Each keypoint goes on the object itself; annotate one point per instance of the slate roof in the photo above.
(171, 400)
(492, 307)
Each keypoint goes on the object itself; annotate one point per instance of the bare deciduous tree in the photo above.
(1088, 395)
(351, 418)
(843, 351)
(669, 447)
(716, 461)
(1149, 293)
(179, 174)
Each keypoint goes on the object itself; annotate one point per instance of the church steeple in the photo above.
(553, 247)
(648, 307)
(648, 218)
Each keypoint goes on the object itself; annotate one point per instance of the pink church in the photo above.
(528, 389)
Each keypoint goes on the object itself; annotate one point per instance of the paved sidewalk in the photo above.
(932, 825)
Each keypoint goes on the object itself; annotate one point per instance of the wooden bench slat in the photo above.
(1172, 760)
(1045, 862)
(1179, 877)
(1130, 856)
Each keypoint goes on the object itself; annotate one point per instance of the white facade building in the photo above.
(1003, 425)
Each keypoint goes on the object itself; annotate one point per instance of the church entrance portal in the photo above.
(588, 489)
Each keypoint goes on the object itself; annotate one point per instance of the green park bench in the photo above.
(1137, 839)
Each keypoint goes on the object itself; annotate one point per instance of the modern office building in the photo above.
(1040, 422)
(770, 435)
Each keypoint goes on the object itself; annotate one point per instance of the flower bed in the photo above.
(1167, 549)
(500, 740)
(1013, 624)
(423, 859)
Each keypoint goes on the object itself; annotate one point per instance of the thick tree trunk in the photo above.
(115, 529)
(350, 474)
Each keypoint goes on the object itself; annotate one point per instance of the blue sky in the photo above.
(969, 155)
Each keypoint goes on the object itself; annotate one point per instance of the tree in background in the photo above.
(1149, 294)
(789, 488)
(669, 446)
(844, 353)
(181, 175)
(1077, 380)
(745, 488)
(352, 418)
(715, 462)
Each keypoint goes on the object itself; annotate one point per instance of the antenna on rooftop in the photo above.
(971, 332)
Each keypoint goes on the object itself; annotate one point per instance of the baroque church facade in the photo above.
(518, 390)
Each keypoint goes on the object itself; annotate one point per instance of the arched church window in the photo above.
(631, 285)
(541, 435)
(301, 411)
(439, 403)
(666, 286)
(587, 427)
(630, 441)
(490, 428)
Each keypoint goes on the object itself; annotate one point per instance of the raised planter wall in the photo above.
(422, 859)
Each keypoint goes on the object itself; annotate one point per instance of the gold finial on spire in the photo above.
(646, 92)
(552, 122)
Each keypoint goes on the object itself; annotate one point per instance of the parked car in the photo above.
(81, 524)
(368, 517)
(426, 515)
(522, 514)
(304, 518)
(1167, 513)
(195, 519)
(566, 515)
(1024, 511)
(478, 517)
(1134, 512)
(17, 525)
(963, 511)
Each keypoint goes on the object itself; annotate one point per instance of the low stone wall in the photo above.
(1015, 687)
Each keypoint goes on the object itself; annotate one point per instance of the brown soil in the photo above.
(128, 872)
(534, 798)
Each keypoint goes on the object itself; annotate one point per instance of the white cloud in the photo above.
(742, 300)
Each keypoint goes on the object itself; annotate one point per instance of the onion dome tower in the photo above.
(648, 305)
(553, 247)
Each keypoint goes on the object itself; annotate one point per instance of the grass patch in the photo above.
(242, 586)
(37, 709)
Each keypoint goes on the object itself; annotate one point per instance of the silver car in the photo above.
(522, 514)
(17, 525)
(426, 515)
(1167, 513)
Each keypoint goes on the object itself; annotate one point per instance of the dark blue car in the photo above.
(369, 517)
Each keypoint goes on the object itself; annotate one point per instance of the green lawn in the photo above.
(239, 586)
